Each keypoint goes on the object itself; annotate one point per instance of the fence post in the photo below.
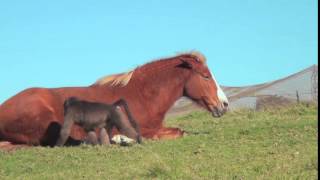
(298, 98)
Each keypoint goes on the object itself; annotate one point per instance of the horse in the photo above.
(35, 115)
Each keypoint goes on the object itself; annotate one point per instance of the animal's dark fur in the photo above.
(92, 115)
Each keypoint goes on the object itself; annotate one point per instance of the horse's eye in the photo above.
(207, 78)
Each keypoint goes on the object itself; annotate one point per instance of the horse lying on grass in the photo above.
(34, 116)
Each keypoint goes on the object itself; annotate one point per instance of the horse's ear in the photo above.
(184, 64)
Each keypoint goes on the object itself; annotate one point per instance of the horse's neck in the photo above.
(162, 90)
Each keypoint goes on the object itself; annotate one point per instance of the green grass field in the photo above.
(274, 144)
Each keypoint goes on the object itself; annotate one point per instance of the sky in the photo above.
(73, 43)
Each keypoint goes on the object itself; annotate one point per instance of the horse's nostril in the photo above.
(225, 104)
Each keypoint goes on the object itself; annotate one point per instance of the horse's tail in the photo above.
(1, 136)
(122, 102)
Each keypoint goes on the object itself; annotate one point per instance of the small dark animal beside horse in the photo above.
(34, 116)
(92, 115)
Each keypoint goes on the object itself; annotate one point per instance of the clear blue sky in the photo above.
(73, 43)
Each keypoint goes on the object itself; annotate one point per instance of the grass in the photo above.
(273, 144)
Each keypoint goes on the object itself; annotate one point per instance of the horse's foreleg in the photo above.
(163, 133)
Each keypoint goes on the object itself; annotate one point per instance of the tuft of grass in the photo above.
(271, 144)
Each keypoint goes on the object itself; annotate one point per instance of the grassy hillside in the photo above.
(272, 144)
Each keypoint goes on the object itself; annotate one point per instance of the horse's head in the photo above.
(202, 87)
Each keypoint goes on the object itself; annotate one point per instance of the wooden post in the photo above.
(298, 98)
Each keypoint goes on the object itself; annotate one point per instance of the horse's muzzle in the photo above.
(220, 110)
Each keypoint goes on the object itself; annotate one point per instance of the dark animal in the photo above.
(150, 90)
(92, 115)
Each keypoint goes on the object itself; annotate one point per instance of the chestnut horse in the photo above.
(34, 116)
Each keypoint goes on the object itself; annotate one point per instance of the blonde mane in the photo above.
(123, 79)
(200, 56)
(114, 80)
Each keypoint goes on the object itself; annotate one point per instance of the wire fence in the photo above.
(261, 101)
(287, 95)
